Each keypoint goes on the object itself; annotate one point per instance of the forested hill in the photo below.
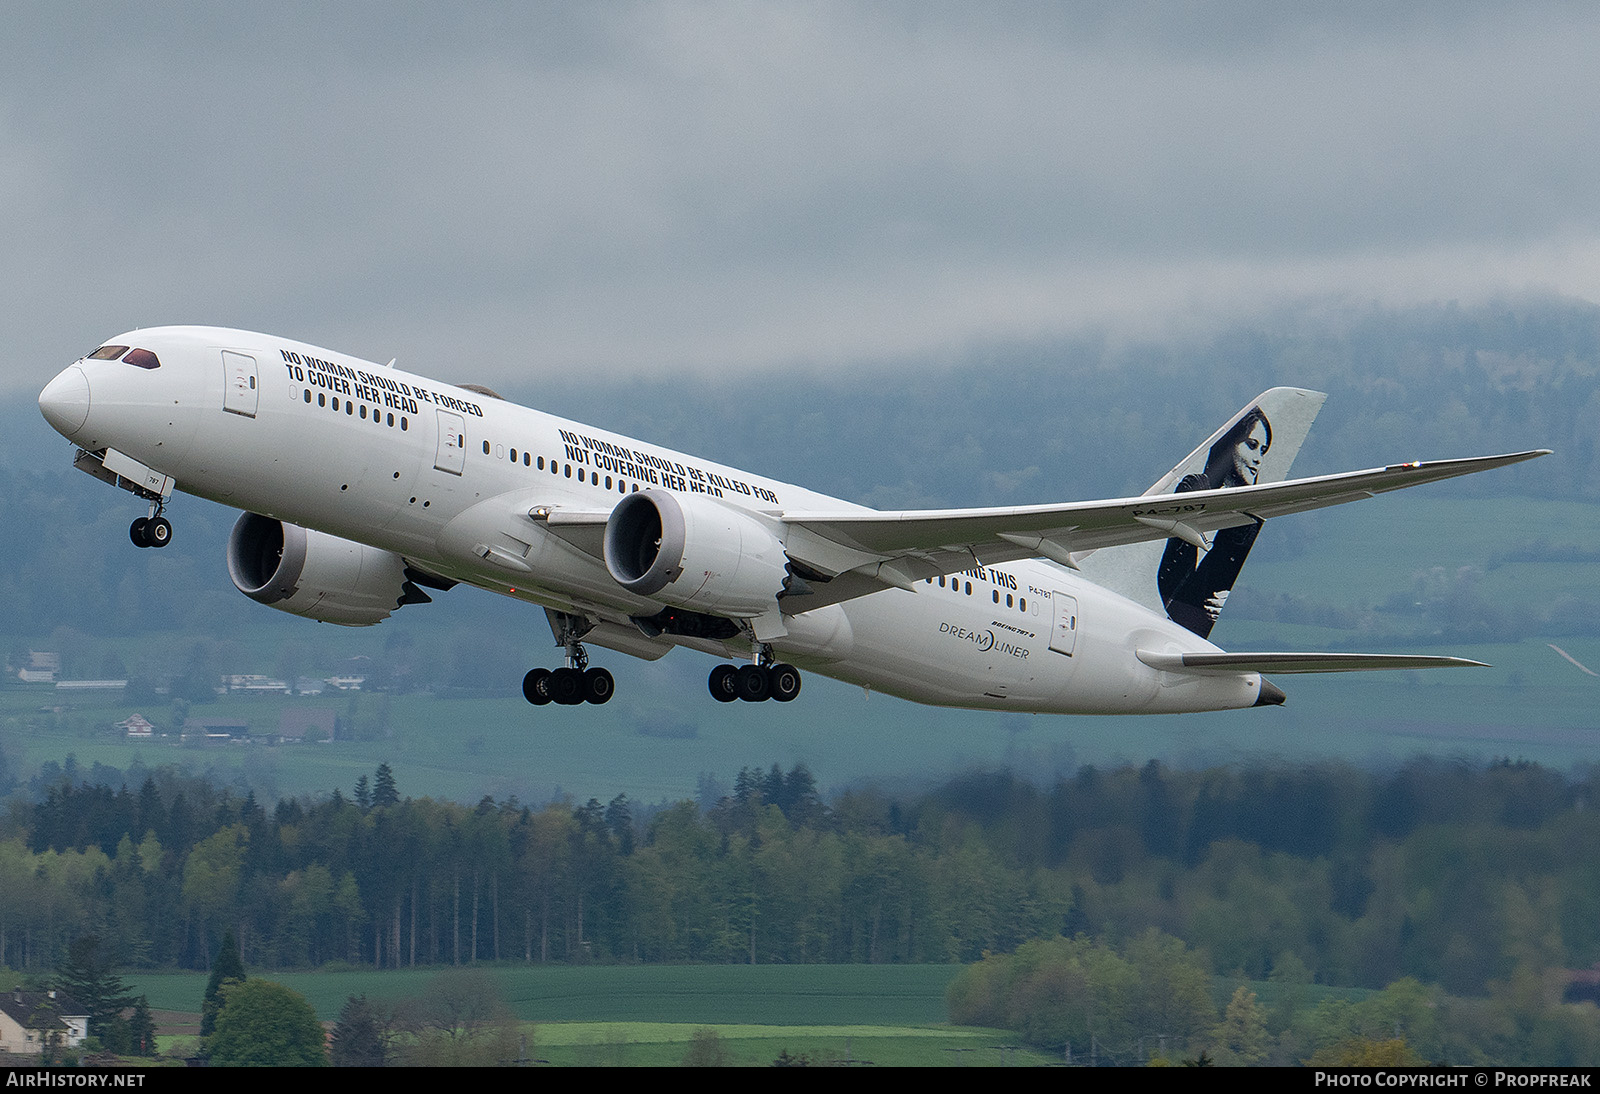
(1338, 867)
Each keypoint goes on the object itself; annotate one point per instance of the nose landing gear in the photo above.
(154, 530)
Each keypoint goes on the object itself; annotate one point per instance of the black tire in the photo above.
(566, 687)
(721, 683)
(783, 681)
(750, 683)
(136, 532)
(536, 687)
(598, 687)
(158, 531)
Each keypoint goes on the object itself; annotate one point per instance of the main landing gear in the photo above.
(154, 530)
(766, 679)
(568, 687)
(574, 684)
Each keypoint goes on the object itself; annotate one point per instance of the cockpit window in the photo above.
(142, 358)
(108, 353)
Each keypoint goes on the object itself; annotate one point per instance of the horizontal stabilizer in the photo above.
(1228, 664)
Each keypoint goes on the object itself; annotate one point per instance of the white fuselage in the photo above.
(445, 478)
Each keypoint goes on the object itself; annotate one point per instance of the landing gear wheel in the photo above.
(136, 532)
(750, 683)
(598, 686)
(566, 687)
(536, 687)
(783, 681)
(721, 683)
(158, 531)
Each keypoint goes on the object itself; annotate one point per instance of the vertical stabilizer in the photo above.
(1187, 581)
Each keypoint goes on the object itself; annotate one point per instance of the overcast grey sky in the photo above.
(503, 192)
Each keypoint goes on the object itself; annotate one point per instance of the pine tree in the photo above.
(141, 1030)
(384, 791)
(226, 969)
(89, 977)
(358, 1039)
(619, 818)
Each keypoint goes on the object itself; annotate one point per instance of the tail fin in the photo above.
(1187, 580)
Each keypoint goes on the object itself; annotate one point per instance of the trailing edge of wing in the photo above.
(1229, 664)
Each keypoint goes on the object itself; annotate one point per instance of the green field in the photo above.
(783, 995)
(862, 1014)
(661, 1044)
(884, 1015)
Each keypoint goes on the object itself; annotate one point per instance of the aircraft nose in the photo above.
(64, 402)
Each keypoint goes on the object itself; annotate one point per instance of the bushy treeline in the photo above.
(1087, 999)
(1151, 999)
(1454, 874)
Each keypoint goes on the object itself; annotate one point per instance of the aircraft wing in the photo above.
(858, 552)
(1227, 664)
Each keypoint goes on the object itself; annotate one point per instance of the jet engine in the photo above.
(694, 552)
(313, 574)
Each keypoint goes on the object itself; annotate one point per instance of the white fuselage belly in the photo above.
(382, 470)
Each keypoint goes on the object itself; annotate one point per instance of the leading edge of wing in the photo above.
(1231, 664)
(1089, 525)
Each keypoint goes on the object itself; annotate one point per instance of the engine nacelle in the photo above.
(313, 574)
(693, 552)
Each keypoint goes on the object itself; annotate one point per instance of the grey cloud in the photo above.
(641, 186)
